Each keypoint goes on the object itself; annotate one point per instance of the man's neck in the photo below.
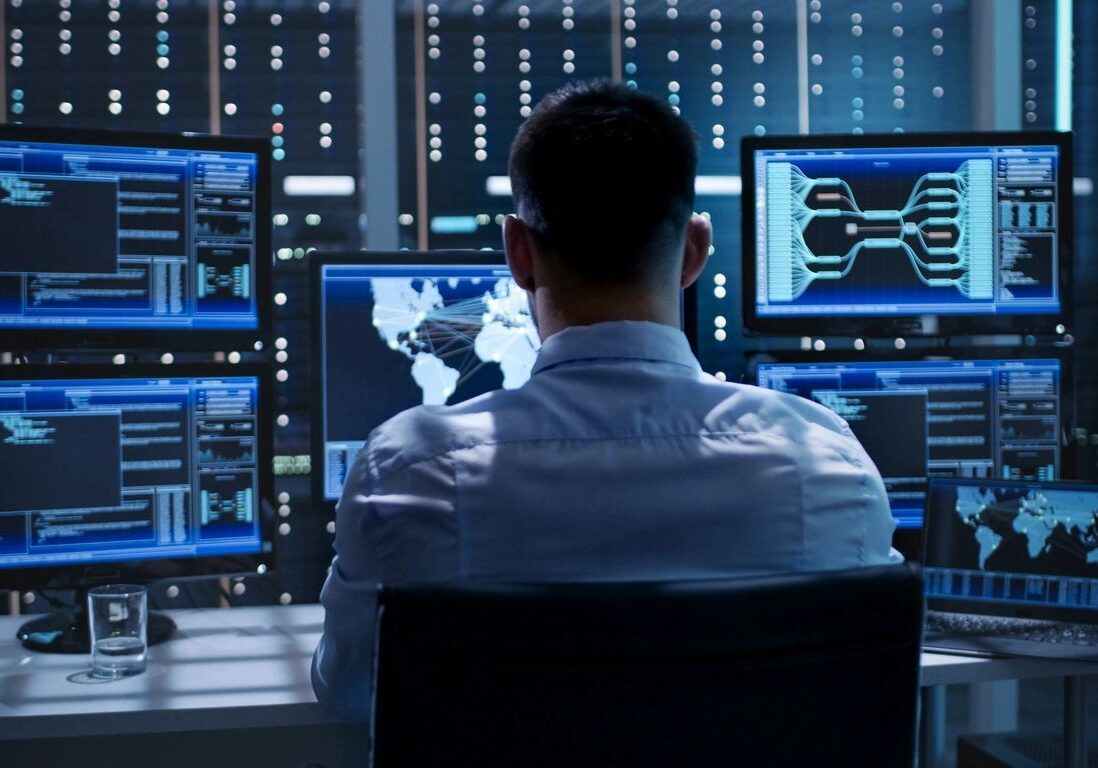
(553, 318)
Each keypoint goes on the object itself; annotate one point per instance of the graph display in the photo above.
(123, 469)
(398, 336)
(1031, 544)
(906, 231)
(939, 418)
(120, 237)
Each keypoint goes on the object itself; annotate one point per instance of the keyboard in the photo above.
(1023, 637)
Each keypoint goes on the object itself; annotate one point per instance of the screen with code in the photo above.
(126, 469)
(121, 237)
(939, 418)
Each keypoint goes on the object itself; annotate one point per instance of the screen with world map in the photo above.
(1013, 542)
(394, 336)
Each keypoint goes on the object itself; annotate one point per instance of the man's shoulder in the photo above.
(745, 407)
(426, 431)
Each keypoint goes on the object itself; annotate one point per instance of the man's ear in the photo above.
(516, 245)
(699, 236)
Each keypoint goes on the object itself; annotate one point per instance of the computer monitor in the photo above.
(396, 330)
(917, 418)
(907, 234)
(131, 474)
(1005, 547)
(121, 240)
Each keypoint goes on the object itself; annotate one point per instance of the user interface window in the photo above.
(127, 237)
(921, 230)
(128, 469)
(1018, 543)
(955, 418)
(399, 336)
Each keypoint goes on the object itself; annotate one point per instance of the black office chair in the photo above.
(815, 669)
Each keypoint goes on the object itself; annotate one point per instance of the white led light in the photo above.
(322, 186)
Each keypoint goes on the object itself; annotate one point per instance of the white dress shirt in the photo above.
(618, 460)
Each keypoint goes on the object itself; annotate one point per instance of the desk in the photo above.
(231, 688)
(244, 673)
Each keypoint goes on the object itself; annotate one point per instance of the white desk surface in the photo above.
(249, 668)
(224, 668)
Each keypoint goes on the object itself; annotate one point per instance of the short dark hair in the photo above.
(602, 149)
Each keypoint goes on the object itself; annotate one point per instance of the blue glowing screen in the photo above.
(114, 237)
(906, 231)
(108, 470)
(939, 418)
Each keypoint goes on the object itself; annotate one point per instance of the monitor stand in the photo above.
(66, 630)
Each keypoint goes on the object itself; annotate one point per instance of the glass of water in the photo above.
(118, 620)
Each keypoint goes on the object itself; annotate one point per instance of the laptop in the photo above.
(1011, 567)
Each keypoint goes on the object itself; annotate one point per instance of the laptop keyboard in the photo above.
(1034, 630)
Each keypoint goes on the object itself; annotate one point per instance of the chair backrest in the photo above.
(814, 669)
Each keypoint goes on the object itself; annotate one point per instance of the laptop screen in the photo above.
(1011, 547)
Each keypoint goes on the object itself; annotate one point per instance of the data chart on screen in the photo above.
(128, 469)
(127, 237)
(887, 231)
(995, 419)
(398, 336)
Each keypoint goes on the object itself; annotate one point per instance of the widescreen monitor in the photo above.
(907, 234)
(133, 474)
(1006, 547)
(396, 330)
(920, 418)
(117, 239)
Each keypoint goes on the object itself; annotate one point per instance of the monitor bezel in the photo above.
(367, 258)
(32, 338)
(991, 607)
(884, 326)
(152, 570)
(909, 540)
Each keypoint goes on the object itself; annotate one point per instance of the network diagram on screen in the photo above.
(400, 336)
(922, 230)
(127, 469)
(1019, 544)
(952, 418)
(126, 237)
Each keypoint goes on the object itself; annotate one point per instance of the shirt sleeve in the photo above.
(399, 528)
(343, 660)
(845, 503)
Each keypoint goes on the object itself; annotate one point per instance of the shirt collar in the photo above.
(618, 340)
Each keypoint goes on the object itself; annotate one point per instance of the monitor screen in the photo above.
(109, 232)
(880, 228)
(940, 418)
(1012, 543)
(129, 468)
(392, 331)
